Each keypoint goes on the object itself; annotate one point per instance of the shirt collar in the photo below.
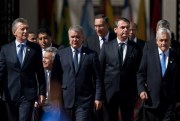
(166, 52)
(79, 49)
(125, 42)
(106, 37)
(17, 42)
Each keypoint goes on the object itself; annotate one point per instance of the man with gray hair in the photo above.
(157, 84)
(21, 69)
(77, 69)
(48, 59)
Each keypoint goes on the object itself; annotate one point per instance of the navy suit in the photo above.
(162, 91)
(93, 43)
(78, 88)
(120, 82)
(19, 83)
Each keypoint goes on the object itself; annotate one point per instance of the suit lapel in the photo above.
(14, 54)
(97, 43)
(28, 50)
(155, 56)
(70, 58)
(171, 61)
(82, 56)
(128, 52)
(115, 48)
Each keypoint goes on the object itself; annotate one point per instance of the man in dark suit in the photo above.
(94, 42)
(101, 27)
(48, 59)
(119, 60)
(78, 70)
(20, 70)
(158, 78)
(45, 39)
(132, 35)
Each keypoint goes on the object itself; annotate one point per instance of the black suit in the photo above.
(141, 43)
(93, 43)
(20, 82)
(120, 82)
(162, 91)
(78, 88)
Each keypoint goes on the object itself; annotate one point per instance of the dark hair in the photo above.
(44, 30)
(121, 19)
(105, 18)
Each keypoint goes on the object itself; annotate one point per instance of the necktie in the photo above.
(121, 53)
(48, 84)
(163, 63)
(20, 53)
(104, 39)
(75, 59)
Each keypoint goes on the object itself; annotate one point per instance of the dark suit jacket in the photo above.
(120, 79)
(150, 78)
(78, 87)
(93, 43)
(141, 43)
(16, 80)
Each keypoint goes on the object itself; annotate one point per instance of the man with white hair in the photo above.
(158, 77)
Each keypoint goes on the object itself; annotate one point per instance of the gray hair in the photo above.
(52, 50)
(16, 21)
(76, 28)
(163, 24)
(163, 30)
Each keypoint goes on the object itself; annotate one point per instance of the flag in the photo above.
(53, 21)
(64, 24)
(108, 11)
(44, 12)
(87, 18)
(141, 34)
(127, 10)
(156, 15)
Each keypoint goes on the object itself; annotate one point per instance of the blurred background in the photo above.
(58, 15)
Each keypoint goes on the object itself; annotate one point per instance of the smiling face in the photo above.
(47, 60)
(20, 31)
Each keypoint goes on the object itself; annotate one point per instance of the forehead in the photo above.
(73, 32)
(42, 34)
(47, 54)
(99, 20)
(123, 23)
(21, 25)
(163, 35)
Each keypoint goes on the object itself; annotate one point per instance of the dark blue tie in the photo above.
(75, 59)
(121, 52)
(20, 53)
(163, 63)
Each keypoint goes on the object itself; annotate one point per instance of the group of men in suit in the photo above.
(96, 76)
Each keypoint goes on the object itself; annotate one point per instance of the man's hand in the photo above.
(143, 95)
(41, 100)
(98, 104)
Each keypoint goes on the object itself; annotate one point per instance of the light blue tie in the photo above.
(20, 53)
(163, 63)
